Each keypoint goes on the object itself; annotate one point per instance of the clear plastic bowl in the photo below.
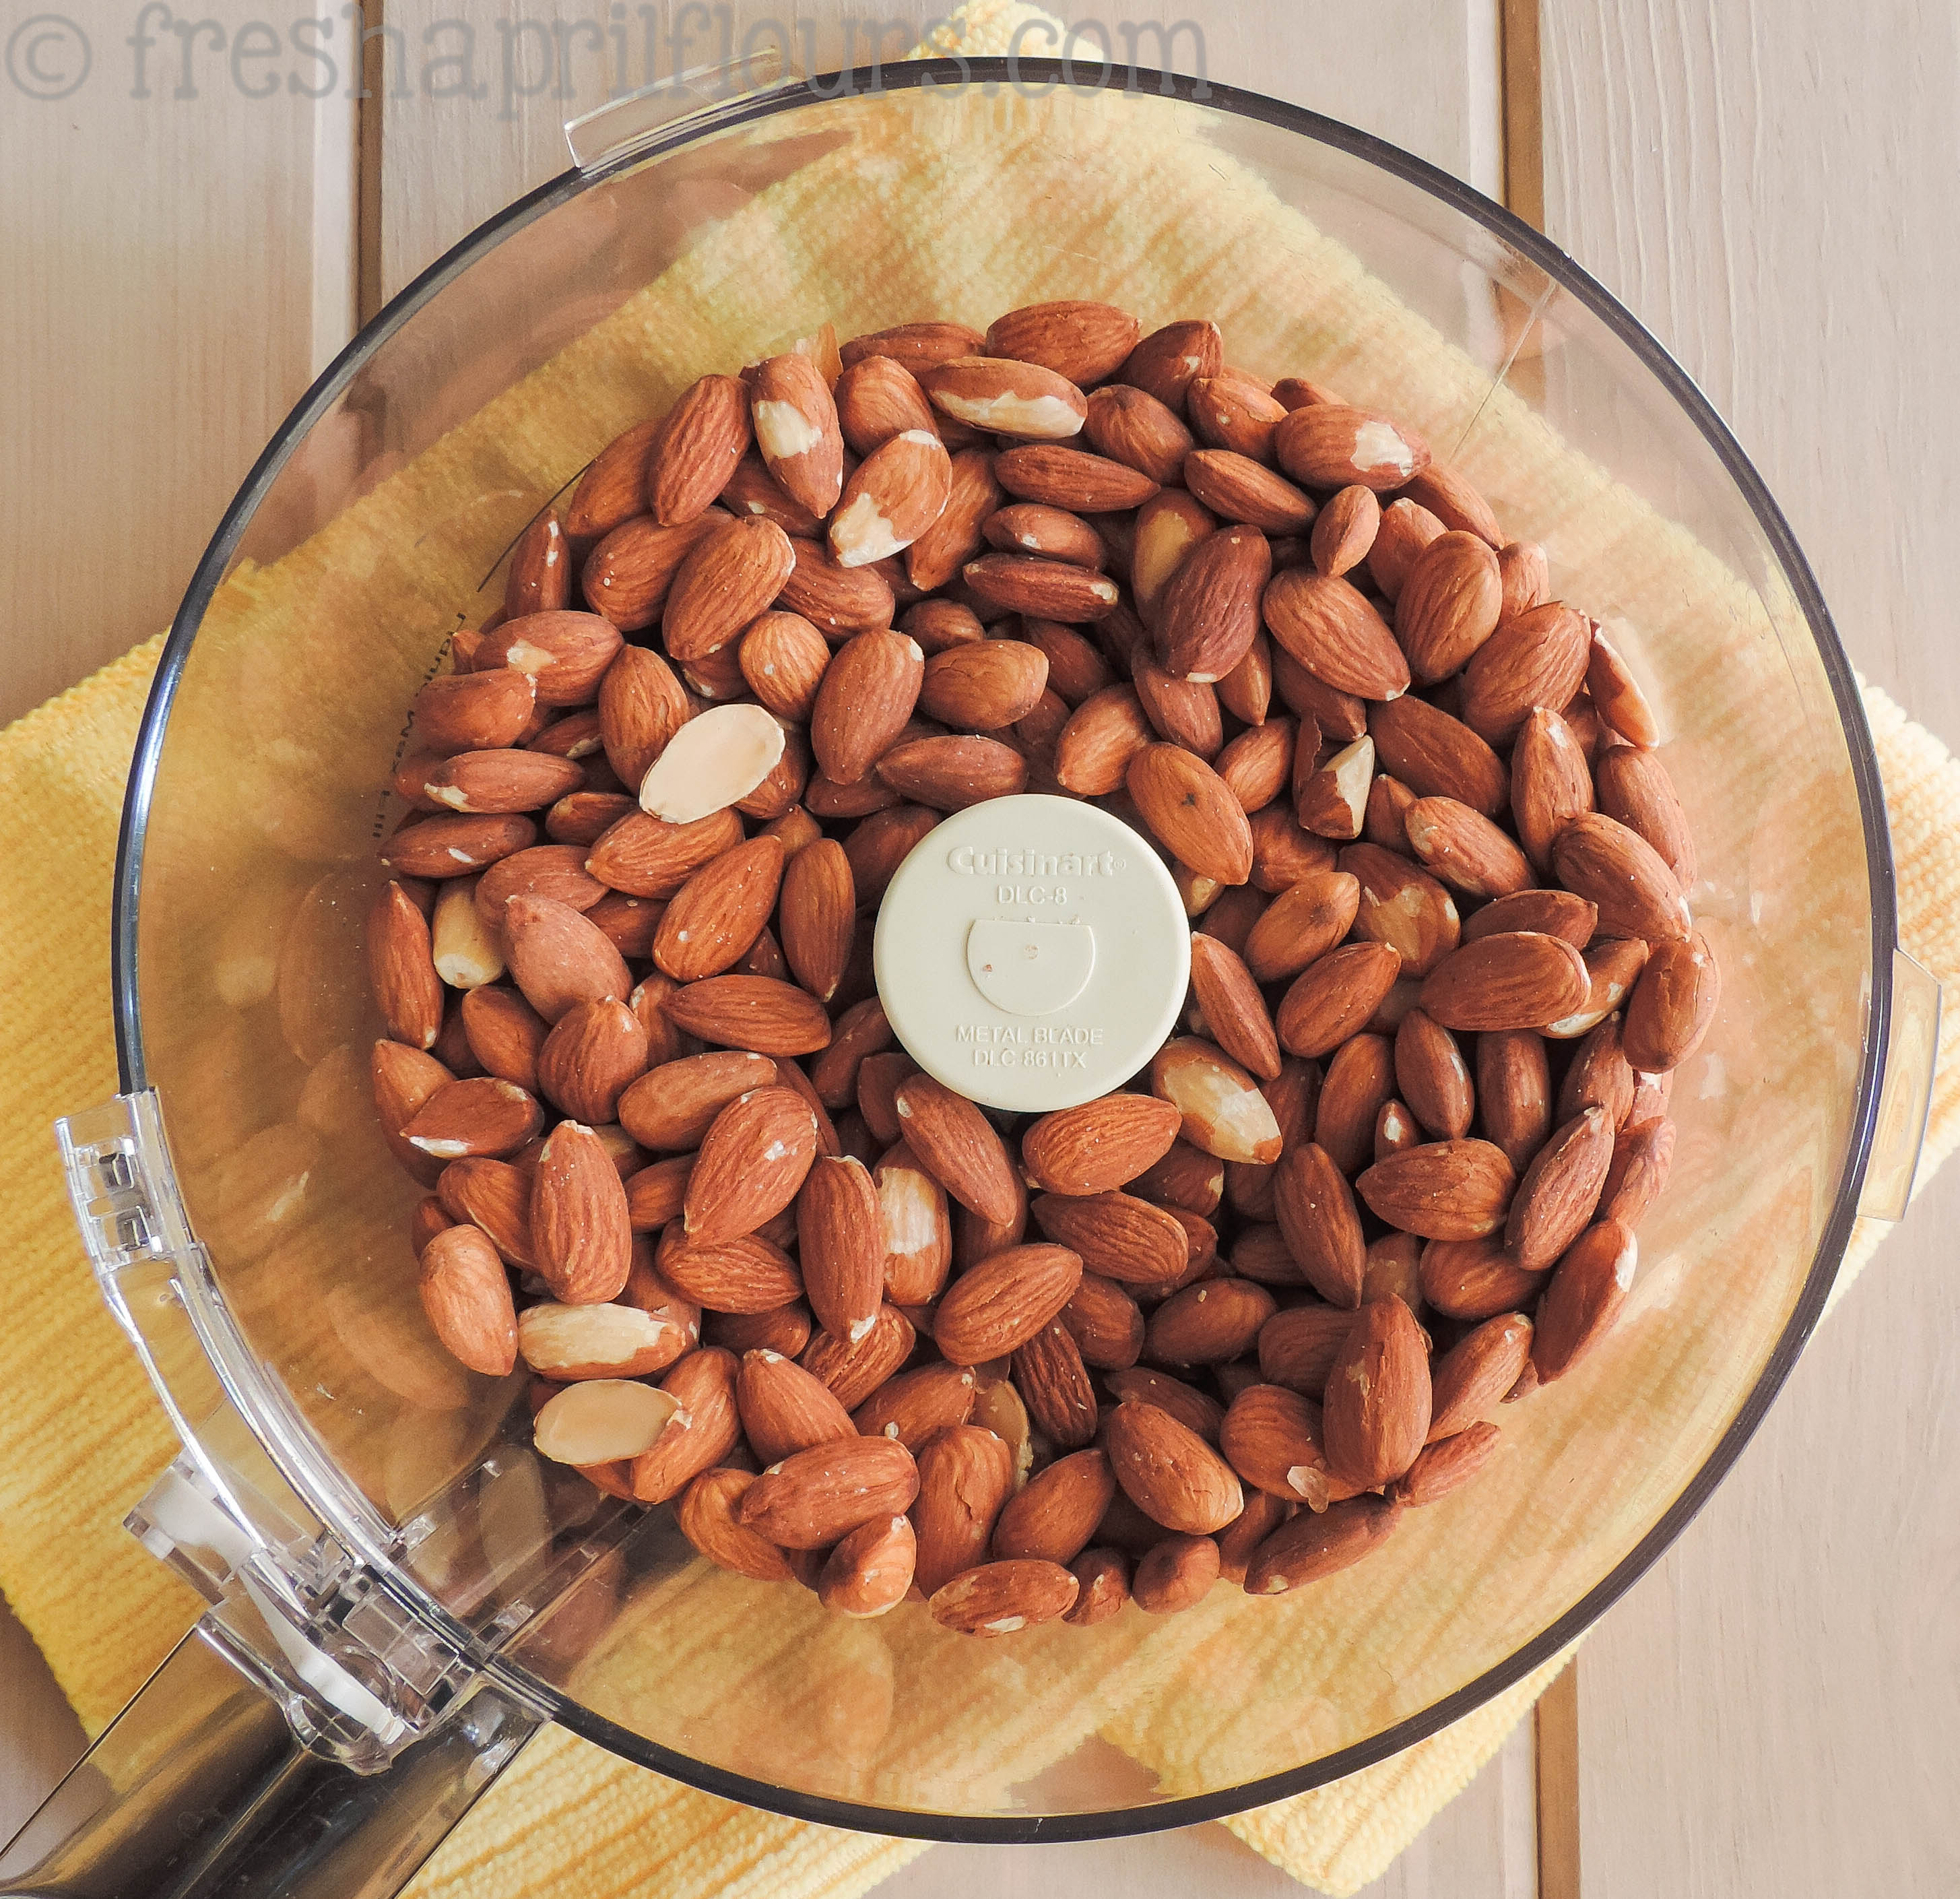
(375, 526)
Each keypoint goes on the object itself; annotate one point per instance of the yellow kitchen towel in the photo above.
(83, 1437)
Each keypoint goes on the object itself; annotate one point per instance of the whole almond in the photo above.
(1211, 1322)
(474, 712)
(795, 421)
(1643, 1155)
(1634, 787)
(1095, 1148)
(1176, 1574)
(704, 436)
(1613, 867)
(869, 1572)
(1598, 1076)
(613, 488)
(539, 579)
(1539, 658)
(1406, 528)
(916, 345)
(893, 496)
(1236, 487)
(878, 397)
(731, 575)
(965, 1476)
(1004, 1598)
(1514, 1092)
(1446, 1466)
(1464, 849)
(554, 870)
(1475, 1278)
(1132, 426)
(1298, 1347)
(1450, 495)
(815, 1498)
(1183, 711)
(1321, 1227)
(707, 1515)
(1048, 589)
(1433, 1077)
(719, 912)
(1006, 397)
(1525, 574)
(642, 855)
(566, 653)
(1327, 445)
(783, 657)
(1087, 342)
(1359, 1079)
(841, 1246)
(1209, 611)
(753, 490)
(1077, 668)
(1054, 1516)
(1103, 735)
(957, 1145)
(1106, 1323)
(478, 1116)
(1472, 1377)
(627, 578)
(1117, 1235)
(1613, 966)
(819, 916)
(1617, 694)
(879, 845)
(1312, 1545)
(494, 1195)
(1271, 1437)
(915, 1404)
(1344, 530)
(1329, 627)
(747, 1274)
(641, 705)
(1448, 606)
(761, 1013)
(1191, 812)
(466, 1296)
(1256, 764)
(1556, 1197)
(401, 969)
(1550, 784)
(1224, 1113)
(1234, 1010)
(1071, 479)
(1054, 1383)
(1546, 913)
(1520, 980)
(1302, 924)
(1583, 1298)
(855, 1372)
(1170, 1472)
(753, 1160)
(596, 1051)
(1335, 997)
(1437, 756)
(1003, 1302)
(950, 773)
(868, 692)
(1376, 1417)
(983, 685)
(656, 1195)
(836, 599)
(1198, 1413)
(559, 959)
(1233, 410)
(783, 1409)
(444, 847)
(1443, 1190)
(703, 1429)
(581, 1238)
(1402, 906)
(1168, 361)
(673, 1106)
(955, 538)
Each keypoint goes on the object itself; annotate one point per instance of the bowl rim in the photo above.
(1570, 276)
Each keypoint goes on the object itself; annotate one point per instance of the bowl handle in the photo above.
(1906, 1095)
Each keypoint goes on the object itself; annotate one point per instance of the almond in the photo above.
(1191, 812)
(475, 712)
(957, 1144)
(795, 420)
(1447, 605)
(1224, 1113)
(539, 579)
(1613, 867)
(1635, 788)
(1168, 527)
(1329, 627)
(877, 847)
(1004, 1598)
(1598, 1076)
(1087, 342)
(1077, 669)
(1550, 785)
(1053, 1516)
(1402, 906)
(643, 855)
(1643, 1155)
(600, 1421)
(1464, 849)
(1234, 1010)
(759, 1013)
(1047, 589)
(1329, 445)
(1302, 924)
(444, 847)
(1006, 397)
(1191, 1407)
(1331, 801)
(1256, 764)
(1210, 608)
(731, 575)
(917, 345)
(1475, 1278)
(581, 1238)
(656, 1195)
(1230, 409)
(1406, 528)
(1560, 1188)
(673, 1106)
(1433, 1077)
(867, 695)
(965, 1476)
(1211, 1322)
(628, 577)
(1450, 495)
(708, 1515)
(1446, 1466)
(949, 774)
(560, 960)
(1103, 735)
(613, 488)
(1170, 1472)
(566, 654)
(1545, 913)
(1442, 1190)
(1335, 997)
(1322, 1229)
(1376, 1417)
(1054, 1383)
(553, 871)
(719, 912)
(1132, 426)
(1613, 966)
(1106, 1323)
(495, 1196)
(838, 600)
(783, 1409)
(1537, 659)
(715, 760)
(1520, 980)
(467, 1299)
(402, 972)
(870, 1571)
(746, 1274)
(1298, 1347)
(841, 1246)
(1271, 1437)
(1526, 576)
(1514, 1092)
(754, 1159)
(819, 918)
(983, 685)
(1095, 1148)
(1003, 1302)
(1359, 1079)
(1583, 1298)
(705, 434)
(1168, 361)
(1344, 530)
(1472, 1377)
(1437, 756)
(703, 1430)
(877, 398)
(1117, 1235)
(476, 1118)
(1071, 479)
(1176, 1574)
(1236, 487)
(1183, 711)
(815, 1498)
(1617, 695)
(893, 496)
(955, 538)
(596, 1051)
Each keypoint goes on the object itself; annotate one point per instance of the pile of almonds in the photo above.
(1229, 1321)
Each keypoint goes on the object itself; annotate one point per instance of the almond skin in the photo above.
(965, 1476)
(1583, 1298)
(753, 1160)
(1236, 488)
(1302, 924)
(1054, 1383)
(1329, 445)
(1117, 1235)
(642, 855)
(869, 689)
(1556, 1198)
(1170, 1472)
(1335, 998)
(816, 1497)
(1209, 608)
(1298, 1347)
(1614, 867)
(596, 1051)
(950, 773)
(841, 1246)
(957, 1145)
(1517, 980)
(1004, 1598)
(1308, 1546)
(1003, 1302)
(1475, 1278)
(1437, 756)
(704, 436)
(444, 847)
(1087, 342)
(559, 959)
(1095, 1148)
(581, 1236)
(761, 1013)
(1329, 627)
(1449, 605)
(475, 712)
(478, 1116)
(672, 1106)
(728, 577)
(1233, 1009)
(466, 1296)
(982, 685)
(1191, 812)
(783, 1409)
(1377, 1412)
(706, 1516)
(1472, 1377)
(719, 912)
(1054, 1516)
(915, 1404)
(1442, 1190)
(1106, 1323)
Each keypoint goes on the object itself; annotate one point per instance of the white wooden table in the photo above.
(1772, 1709)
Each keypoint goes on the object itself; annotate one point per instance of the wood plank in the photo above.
(1773, 1709)
(179, 264)
(1555, 1727)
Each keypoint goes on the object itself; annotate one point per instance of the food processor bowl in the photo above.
(385, 1557)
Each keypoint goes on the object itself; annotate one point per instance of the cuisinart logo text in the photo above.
(966, 862)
